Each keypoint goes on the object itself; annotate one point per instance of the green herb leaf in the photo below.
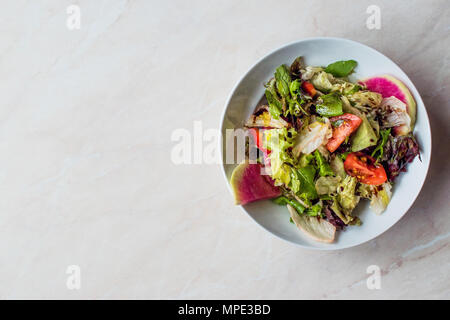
(341, 68)
(294, 88)
(331, 105)
(296, 102)
(343, 155)
(324, 167)
(283, 79)
(314, 211)
(379, 150)
(274, 105)
(282, 200)
(307, 187)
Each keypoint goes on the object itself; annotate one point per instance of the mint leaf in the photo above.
(283, 79)
(274, 105)
(294, 88)
(341, 68)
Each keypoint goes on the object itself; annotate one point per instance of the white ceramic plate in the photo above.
(319, 52)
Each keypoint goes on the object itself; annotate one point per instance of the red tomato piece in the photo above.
(364, 168)
(309, 88)
(348, 124)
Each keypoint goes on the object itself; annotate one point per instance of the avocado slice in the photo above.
(365, 136)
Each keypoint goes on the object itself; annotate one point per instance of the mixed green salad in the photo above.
(323, 143)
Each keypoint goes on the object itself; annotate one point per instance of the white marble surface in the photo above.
(86, 177)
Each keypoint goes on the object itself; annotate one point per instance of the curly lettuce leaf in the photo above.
(337, 210)
(346, 194)
(327, 185)
(353, 89)
(323, 81)
(305, 159)
(366, 98)
(365, 190)
(398, 152)
(279, 141)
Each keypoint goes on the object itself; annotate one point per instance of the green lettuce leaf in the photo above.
(337, 165)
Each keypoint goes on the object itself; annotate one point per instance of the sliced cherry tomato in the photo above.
(346, 124)
(364, 168)
(309, 88)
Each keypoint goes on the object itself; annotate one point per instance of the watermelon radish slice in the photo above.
(389, 86)
(249, 185)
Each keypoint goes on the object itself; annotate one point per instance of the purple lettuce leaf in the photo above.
(398, 152)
